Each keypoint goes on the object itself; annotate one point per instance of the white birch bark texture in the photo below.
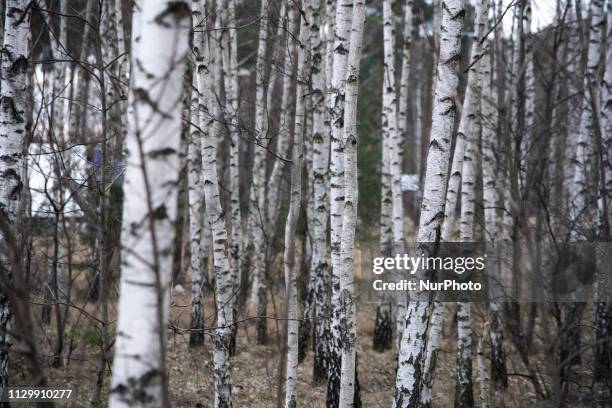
(257, 191)
(195, 186)
(491, 196)
(159, 49)
(13, 76)
(294, 211)
(606, 119)
(412, 346)
(319, 266)
(283, 138)
(232, 109)
(483, 374)
(210, 119)
(348, 336)
(344, 12)
(579, 190)
(469, 129)
(396, 164)
(383, 328)
(602, 354)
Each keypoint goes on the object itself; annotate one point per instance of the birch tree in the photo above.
(491, 196)
(396, 165)
(159, 49)
(469, 129)
(319, 266)
(348, 336)
(389, 132)
(210, 119)
(412, 346)
(196, 188)
(344, 11)
(603, 313)
(580, 191)
(230, 60)
(13, 70)
(294, 212)
(257, 192)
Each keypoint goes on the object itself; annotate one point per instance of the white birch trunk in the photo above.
(579, 190)
(283, 138)
(230, 77)
(491, 196)
(159, 49)
(384, 326)
(13, 107)
(294, 212)
(396, 167)
(319, 266)
(412, 346)
(210, 119)
(344, 11)
(483, 374)
(349, 214)
(196, 188)
(257, 192)
(469, 128)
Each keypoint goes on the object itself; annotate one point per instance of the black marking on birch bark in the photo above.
(8, 105)
(154, 154)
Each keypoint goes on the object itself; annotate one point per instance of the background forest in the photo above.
(192, 192)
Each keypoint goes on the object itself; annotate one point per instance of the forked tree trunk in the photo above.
(159, 48)
(13, 75)
(412, 346)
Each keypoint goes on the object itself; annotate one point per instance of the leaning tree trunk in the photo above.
(159, 48)
(13, 75)
(349, 396)
(412, 346)
(294, 213)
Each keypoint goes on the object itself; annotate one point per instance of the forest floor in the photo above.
(255, 368)
(255, 374)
